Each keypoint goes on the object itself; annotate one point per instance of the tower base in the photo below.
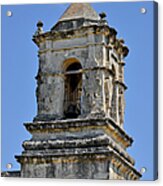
(77, 149)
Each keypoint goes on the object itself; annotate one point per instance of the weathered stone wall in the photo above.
(102, 75)
(50, 90)
(84, 169)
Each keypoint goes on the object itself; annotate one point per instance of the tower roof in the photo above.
(79, 10)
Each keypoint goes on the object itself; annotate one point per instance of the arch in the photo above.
(73, 88)
(70, 61)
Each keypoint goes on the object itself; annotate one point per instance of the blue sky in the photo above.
(20, 65)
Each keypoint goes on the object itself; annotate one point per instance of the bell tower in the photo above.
(78, 129)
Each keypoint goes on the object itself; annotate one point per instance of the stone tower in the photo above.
(78, 130)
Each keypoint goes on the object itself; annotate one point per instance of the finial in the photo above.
(40, 24)
(39, 28)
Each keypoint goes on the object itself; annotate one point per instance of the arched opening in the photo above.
(73, 90)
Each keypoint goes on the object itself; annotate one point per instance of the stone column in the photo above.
(50, 96)
(86, 95)
(97, 94)
(57, 95)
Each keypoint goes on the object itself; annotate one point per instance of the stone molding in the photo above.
(78, 124)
